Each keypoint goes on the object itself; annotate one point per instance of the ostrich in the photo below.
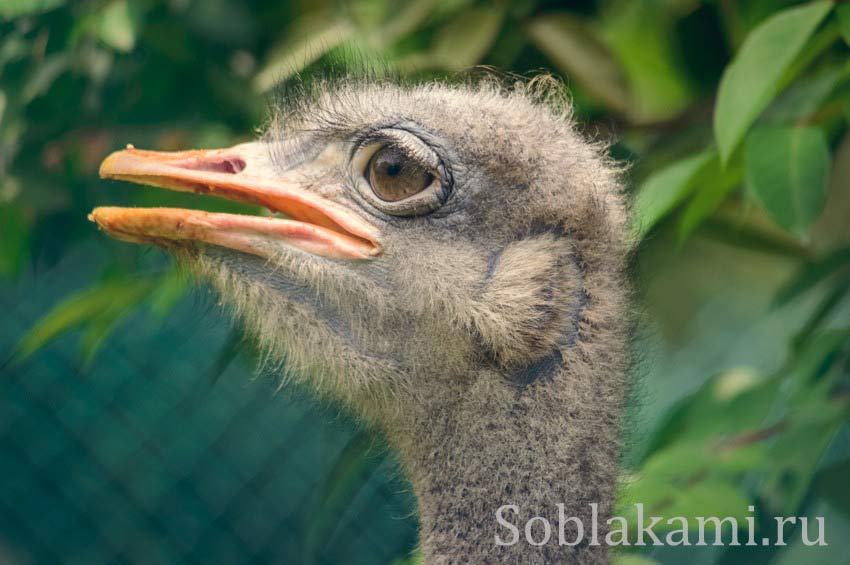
(445, 261)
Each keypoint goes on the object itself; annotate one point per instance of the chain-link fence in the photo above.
(148, 457)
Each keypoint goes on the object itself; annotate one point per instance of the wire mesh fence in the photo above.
(144, 458)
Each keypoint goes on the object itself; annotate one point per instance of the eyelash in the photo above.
(382, 144)
(419, 150)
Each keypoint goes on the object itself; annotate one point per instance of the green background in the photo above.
(133, 424)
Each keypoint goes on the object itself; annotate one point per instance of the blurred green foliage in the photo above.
(734, 115)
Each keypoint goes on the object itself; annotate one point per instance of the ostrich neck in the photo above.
(473, 450)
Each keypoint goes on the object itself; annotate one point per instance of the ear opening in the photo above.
(532, 301)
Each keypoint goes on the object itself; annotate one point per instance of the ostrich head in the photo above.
(443, 260)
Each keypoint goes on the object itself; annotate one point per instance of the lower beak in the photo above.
(313, 223)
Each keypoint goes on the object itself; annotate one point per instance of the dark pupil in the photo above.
(395, 176)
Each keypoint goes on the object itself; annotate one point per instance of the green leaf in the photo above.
(712, 184)
(643, 37)
(816, 358)
(12, 48)
(16, 8)
(814, 417)
(42, 76)
(409, 16)
(98, 330)
(712, 497)
(729, 404)
(842, 13)
(795, 455)
(467, 37)
(683, 459)
(664, 190)
(351, 471)
(414, 558)
(170, 288)
(786, 170)
(810, 274)
(824, 38)
(695, 497)
(446, 9)
(577, 51)
(118, 25)
(633, 559)
(96, 304)
(311, 37)
(14, 233)
(804, 97)
(822, 312)
(756, 73)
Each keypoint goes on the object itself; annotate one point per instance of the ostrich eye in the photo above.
(399, 174)
(394, 175)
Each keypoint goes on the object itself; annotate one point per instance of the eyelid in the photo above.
(411, 144)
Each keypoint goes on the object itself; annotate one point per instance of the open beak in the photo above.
(240, 173)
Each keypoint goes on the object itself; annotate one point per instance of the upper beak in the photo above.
(313, 223)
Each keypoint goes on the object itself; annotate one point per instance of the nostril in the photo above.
(229, 165)
(234, 166)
